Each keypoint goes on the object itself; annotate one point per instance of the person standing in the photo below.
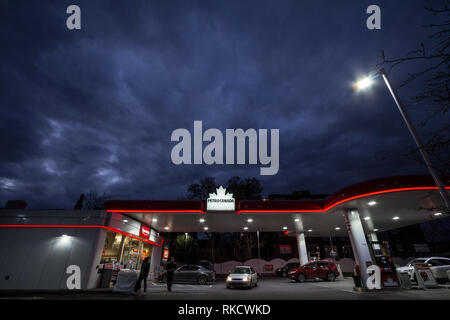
(145, 268)
(170, 269)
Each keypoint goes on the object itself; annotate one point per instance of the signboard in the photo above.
(144, 232)
(285, 249)
(166, 254)
(424, 276)
(153, 236)
(220, 201)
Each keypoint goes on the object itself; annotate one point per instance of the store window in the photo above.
(111, 250)
(124, 252)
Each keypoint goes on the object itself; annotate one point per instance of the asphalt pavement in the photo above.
(267, 289)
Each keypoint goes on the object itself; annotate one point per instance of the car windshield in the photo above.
(307, 265)
(417, 261)
(241, 270)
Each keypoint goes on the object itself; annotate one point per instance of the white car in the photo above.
(438, 266)
(242, 276)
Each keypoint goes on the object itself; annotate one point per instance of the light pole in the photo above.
(259, 255)
(366, 82)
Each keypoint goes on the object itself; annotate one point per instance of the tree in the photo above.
(430, 63)
(185, 248)
(79, 204)
(247, 189)
(436, 232)
(91, 201)
(201, 190)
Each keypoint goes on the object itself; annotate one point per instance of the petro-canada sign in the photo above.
(220, 201)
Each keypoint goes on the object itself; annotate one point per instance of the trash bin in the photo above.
(357, 281)
(126, 280)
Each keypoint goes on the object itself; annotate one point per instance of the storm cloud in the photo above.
(93, 109)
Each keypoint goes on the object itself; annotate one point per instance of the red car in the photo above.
(325, 270)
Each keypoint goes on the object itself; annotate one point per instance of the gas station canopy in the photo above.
(383, 204)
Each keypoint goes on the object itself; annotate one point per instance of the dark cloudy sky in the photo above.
(94, 109)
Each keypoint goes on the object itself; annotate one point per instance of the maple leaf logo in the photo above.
(221, 193)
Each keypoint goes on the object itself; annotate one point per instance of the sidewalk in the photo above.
(62, 291)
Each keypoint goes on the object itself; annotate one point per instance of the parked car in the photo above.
(284, 271)
(242, 276)
(190, 274)
(325, 270)
(438, 266)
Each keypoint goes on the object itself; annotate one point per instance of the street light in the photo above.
(363, 83)
(367, 82)
(259, 253)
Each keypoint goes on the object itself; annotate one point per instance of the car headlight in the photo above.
(245, 279)
(229, 278)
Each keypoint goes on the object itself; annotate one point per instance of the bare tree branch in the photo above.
(430, 64)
